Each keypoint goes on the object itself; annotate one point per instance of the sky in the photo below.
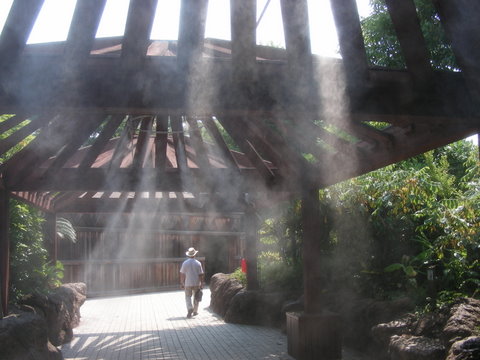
(54, 19)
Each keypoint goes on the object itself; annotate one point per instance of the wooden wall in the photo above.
(117, 261)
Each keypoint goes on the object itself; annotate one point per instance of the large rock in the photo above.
(61, 310)
(23, 336)
(409, 347)
(465, 349)
(464, 320)
(222, 290)
(256, 308)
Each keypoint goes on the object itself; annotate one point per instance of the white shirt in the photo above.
(192, 268)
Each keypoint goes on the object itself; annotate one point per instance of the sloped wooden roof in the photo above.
(310, 118)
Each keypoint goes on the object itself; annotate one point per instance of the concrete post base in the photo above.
(314, 336)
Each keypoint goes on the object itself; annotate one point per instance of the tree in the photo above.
(383, 48)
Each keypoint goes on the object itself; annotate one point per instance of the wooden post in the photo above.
(251, 233)
(312, 229)
(315, 333)
(4, 250)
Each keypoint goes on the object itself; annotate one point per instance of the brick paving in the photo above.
(154, 326)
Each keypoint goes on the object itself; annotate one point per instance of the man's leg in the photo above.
(188, 300)
(195, 302)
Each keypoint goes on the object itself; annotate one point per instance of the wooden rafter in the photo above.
(16, 137)
(220, 141)
(141, 149)
(161, 142)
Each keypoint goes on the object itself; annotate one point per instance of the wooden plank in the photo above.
(350, 39)
(5, 250)
(220, 141)
(16, 137)
(11, 122)
(81, 35)
(248, 149)
(123, 145)
(16, 31)
(179, 143)
(409, 34)
(198, 145)
(161, 142)
(141, 149)
(105, 135)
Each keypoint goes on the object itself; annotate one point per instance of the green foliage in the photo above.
(278, 276)
(65, 230)
(383, 47)
(240, 276)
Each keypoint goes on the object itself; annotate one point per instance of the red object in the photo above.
(244, 265)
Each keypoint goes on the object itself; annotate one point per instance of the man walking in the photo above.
(192, 280)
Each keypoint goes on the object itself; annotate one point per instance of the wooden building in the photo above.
(275, 105)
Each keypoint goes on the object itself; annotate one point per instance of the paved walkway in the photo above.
(154, 326)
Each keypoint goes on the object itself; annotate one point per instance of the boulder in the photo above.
(256, 308)
(382, 333)
(410, 347)
(23, 336)
(465, 349)
(464, 320)
(61, 310)
(222, 290)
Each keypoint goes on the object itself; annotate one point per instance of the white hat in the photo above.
(191, 252)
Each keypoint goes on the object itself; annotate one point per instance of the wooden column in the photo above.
(312, 229)
(4, 250)
(251, 233)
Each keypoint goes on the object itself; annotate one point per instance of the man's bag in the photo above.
(199, 295)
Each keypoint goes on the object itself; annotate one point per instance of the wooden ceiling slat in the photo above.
(220, 141)
(141, 149)
(161, 141)
(105, 135)
(141, 14)
(179, 143)
(201, 156)
(83, 131)
(350, 38)
(124, 144)
(81, 35)
(16, 31)
(11, 122)
(409, 34)
(16, 137)
(237, 134)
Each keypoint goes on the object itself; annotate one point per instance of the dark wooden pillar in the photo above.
(251, 234)
(312, 229)
(315, 333)
(4, 250)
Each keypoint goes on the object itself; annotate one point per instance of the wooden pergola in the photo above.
(279, 106)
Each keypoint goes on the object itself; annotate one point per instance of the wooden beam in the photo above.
(16, 31)
(81, 35)
(105, 135)
(141, 14)
(409, 34)
(201, 156)
(4, 250)
(179, 143)
(11, 122)
(243, 28)
(123, 145)
(235, 131)
(251, 238)
(23, 132)
(350, 39)
(220, 141)
(161, 142)
(459, 19)
(141, 149)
